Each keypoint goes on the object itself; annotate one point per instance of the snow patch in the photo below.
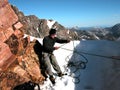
(99, 73)
(50, 23)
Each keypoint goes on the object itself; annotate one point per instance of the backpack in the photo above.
(27, 86)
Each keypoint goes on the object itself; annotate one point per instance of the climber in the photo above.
(48, 56)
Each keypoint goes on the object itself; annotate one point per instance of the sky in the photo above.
(69, 13)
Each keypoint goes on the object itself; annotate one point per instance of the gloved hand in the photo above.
(56, 48)
(68, 41)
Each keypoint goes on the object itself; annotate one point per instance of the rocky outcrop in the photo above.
(18, 61)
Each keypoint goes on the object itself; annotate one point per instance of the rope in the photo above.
(110, 57)
(74, 65)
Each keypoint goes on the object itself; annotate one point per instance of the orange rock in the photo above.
(18, 25)
(21, 72)
(13, 44)
(6, 57)
(19, 33)
(5, 34)
(31, 62)
(2, 36)
(18, 61)
(10, 79)
(3, 3)
(8, 32)
(7, 15)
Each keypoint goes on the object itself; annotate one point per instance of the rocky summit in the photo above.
(18, 61)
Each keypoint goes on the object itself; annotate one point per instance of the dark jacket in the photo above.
(48, 43)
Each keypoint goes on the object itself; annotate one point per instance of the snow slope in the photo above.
(100, 73)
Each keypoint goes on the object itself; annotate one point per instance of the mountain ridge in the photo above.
(40, 27)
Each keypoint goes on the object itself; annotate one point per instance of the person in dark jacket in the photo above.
(48, 56)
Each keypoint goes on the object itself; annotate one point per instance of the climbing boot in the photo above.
(60, 74)
(52, 79)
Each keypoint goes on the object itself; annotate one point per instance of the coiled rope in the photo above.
(80, 63)
(75, 66)
(75, 62)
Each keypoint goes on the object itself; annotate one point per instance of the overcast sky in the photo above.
(69, 13)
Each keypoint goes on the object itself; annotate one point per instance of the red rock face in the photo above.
(18, 61)
(7, 15)
(2, 36)
(6, 57)
(18, 25)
